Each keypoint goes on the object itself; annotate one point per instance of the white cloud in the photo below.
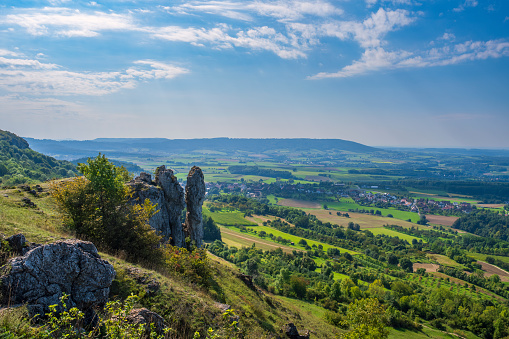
(378, 59)
(5, 52)
(36, 78)
(448, 37)
(258, 38)
(467, 3)
(67, 22)
(371, 3)
(372, 60)
(370, 32)
(284, 10)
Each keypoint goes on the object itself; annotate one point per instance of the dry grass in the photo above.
(441, 219)
(427, 267)
(365, 221)
(298, 203)
(491, 270)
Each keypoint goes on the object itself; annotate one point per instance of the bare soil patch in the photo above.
(427, 267)
(444, 220)
(298, 203)
(491, 270)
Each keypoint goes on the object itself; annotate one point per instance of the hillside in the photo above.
(19, 164)
(187, 307)
(72, 149)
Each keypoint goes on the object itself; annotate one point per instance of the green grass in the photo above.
(347, 203)
(391, 233)
(41, 224)
(482, 257)
(228, 218)
(295, 239)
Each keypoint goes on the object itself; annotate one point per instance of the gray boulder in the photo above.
(143, 316)
(43, 274)
(195, 196)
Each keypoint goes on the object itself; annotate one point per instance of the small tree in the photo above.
(368, 320)
(96, 207)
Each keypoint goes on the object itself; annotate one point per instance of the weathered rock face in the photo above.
(175, 202)
(39, 278)
(167, 193)
(195, 196)
(169, 196)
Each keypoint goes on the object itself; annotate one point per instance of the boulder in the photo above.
(143, 316)
(195, 196)
(43, 274)
(17, 242)
(291, 332)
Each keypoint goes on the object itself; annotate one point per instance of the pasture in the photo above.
(391, 233)
(365, 221)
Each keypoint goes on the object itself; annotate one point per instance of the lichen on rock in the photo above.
(43, 274)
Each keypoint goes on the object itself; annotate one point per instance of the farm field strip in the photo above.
(365, 221)
(295, 239)
(246, 240)
(392, 233)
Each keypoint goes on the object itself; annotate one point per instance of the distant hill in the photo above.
(19, 164)
(73, 149)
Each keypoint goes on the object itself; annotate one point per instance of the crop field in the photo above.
(443, 260)
(298, 203)
(295, 239)
(391, 233)
(346, 204)
(492, 269)
(238, 239)
(228, 218)
(482, 257)
(365, 221)
(441, 219)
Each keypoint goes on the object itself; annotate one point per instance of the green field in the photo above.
(347, 203)
(296, 239)
(391, 233)
(228, 218)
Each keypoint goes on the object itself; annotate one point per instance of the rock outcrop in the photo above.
(166, 192)
(291, 332)
(43, 274)
(143, 316)
(195, 196)
(168, 195)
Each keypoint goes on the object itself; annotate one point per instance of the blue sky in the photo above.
(379, 72)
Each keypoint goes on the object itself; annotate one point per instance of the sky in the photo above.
(407, 73)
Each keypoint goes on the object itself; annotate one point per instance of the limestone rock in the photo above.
(175, 202)
(39, 278)
(291, 332)
(143, 316)
(17, 242)
(195, 196)
(170, 199)
(168, 195)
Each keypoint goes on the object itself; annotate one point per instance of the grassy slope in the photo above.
(185, 306)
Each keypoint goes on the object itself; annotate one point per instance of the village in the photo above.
(326, 191)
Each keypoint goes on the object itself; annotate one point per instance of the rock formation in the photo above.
(166, 192)
(168, 195)
(195, 196)
(39, 278)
